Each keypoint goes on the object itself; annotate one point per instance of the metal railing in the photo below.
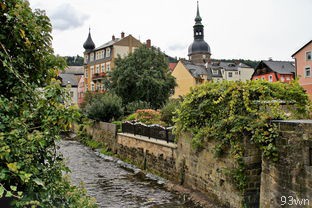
(154, 131)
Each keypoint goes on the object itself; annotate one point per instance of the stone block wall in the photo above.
(104, 132)
(288, 183)
(209, 174)
(154, 155)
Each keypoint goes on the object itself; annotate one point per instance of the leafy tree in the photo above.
(134, 106)
(143, 76)
(74, 60)
(104, 107)
(34, 111)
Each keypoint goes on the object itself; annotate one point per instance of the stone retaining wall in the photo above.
(290, 178)
(209, 174)
(150, 154)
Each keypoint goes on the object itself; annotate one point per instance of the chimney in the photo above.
(113, 37)
(122, 34)
(148, 43)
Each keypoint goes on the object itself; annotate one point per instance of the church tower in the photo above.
(199, 50)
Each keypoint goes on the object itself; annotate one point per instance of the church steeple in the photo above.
(198, 27)
(199, 50)
(198, 19)
(89, 44)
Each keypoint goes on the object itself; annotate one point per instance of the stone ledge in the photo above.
(150, 140)
(293, 121)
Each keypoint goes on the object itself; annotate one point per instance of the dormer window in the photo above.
(108, 52)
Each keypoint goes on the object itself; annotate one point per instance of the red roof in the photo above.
(172, 65)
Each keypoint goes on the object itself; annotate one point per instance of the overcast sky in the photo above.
(249, 29)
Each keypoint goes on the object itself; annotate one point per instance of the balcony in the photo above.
(98, 76)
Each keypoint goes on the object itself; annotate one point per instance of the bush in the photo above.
(105, 107)
(167, 112)
(233, 113)
(148, 116)
(134, 106)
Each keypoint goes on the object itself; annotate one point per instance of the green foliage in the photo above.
(34, 111)
(231, 112)
(167, 112)
(74, 60)
(136, 105)
(143, 76)
(118, 125)
(104, 107)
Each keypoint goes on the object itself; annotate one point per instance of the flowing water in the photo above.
(116, 184)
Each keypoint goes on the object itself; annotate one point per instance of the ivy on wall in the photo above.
(231, 112)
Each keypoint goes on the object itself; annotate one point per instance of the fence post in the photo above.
(167, 136)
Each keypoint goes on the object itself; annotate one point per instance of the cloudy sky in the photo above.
(249, 29)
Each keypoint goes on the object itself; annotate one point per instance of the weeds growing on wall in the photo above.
(230, 112)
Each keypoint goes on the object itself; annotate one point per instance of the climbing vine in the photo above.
(231, 112)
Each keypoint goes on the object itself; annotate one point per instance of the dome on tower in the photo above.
(199, 46)
(89, 44)
(199, 51)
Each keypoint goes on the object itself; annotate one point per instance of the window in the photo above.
(308, 55)
(86, 59)
(108, 67)
(108, 51)
(92, 57)
(307, 72)
(215, 72)
(230, 74)
(103, 67)
(92, 70)
(270, 78)
(71, 94)
(92, 87)
(236, 73)
(97, 69)
(282, 78)
(86, 73)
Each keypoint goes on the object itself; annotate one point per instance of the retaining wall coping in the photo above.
(293, 121)
(151, 140)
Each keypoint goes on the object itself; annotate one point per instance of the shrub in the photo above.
(230, 112)
(148, 116)
(167, 112)
(105, 107)
(134, 106)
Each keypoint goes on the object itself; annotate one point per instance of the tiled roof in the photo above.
(78, 70)
(197, 70)
(109, 43)
(281, 67)
(71, 79)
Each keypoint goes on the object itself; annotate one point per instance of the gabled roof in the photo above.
(71, 79)
(302, 48)
(109, 43)
(281, 67)
(78, 70)
(196, 70)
